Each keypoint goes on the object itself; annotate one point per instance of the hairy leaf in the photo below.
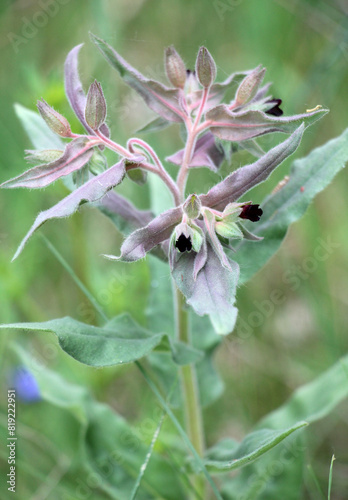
(119, 341)
(123, 213)
(213, 292)
(242, 180)
(161, 99)
(91, 191)
(205, 154)
(75, 92)
(241, 126)
(254, 445)
(145, 239)
(77, 153)
(308, 176)
(309, 403)
(107, 453)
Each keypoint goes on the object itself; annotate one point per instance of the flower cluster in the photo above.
(197, 234)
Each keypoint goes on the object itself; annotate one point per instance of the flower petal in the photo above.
(242, 180)
(91, 191)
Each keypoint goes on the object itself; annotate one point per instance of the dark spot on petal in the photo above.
(251, 212)
(274, 109)
(183, 244)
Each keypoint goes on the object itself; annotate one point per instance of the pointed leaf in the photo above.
(311, 402)
(161, 99)
(214, 290)
(252, 147)
(253, 446)
(123, 213)
(102, 446)
(143, 240)
(206, 154)
(119, 341)
(77, 153)
(308, 176)
(93, 190)
(242, 180)
(158, 123)
(241, 126)
(74, 90)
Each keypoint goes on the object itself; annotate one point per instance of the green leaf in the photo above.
(253, 446)
(108, 454)
(308, 176)
(161, 317)
(119, 341)
(37, 129)
(330, 477)
(213, 292)
(309, 403)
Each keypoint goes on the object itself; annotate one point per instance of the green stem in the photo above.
(192, 407)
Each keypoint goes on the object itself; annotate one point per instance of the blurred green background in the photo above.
(304, 45)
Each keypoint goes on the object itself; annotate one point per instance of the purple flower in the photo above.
(274, 109)
(25, 385)
(251, 212)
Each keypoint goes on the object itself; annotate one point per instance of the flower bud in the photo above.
(95, 111)
(205, 67)
(57, 123)
(175, 68)
(192, 206)
(249, 86)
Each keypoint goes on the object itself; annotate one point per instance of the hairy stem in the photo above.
(192, 132)
(159, 170)
(192, 407)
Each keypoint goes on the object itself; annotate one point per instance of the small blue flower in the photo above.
(25, 385)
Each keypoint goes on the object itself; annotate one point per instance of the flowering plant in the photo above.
(211, 241)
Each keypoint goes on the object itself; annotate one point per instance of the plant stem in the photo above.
(192, 407)
(192, 133)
